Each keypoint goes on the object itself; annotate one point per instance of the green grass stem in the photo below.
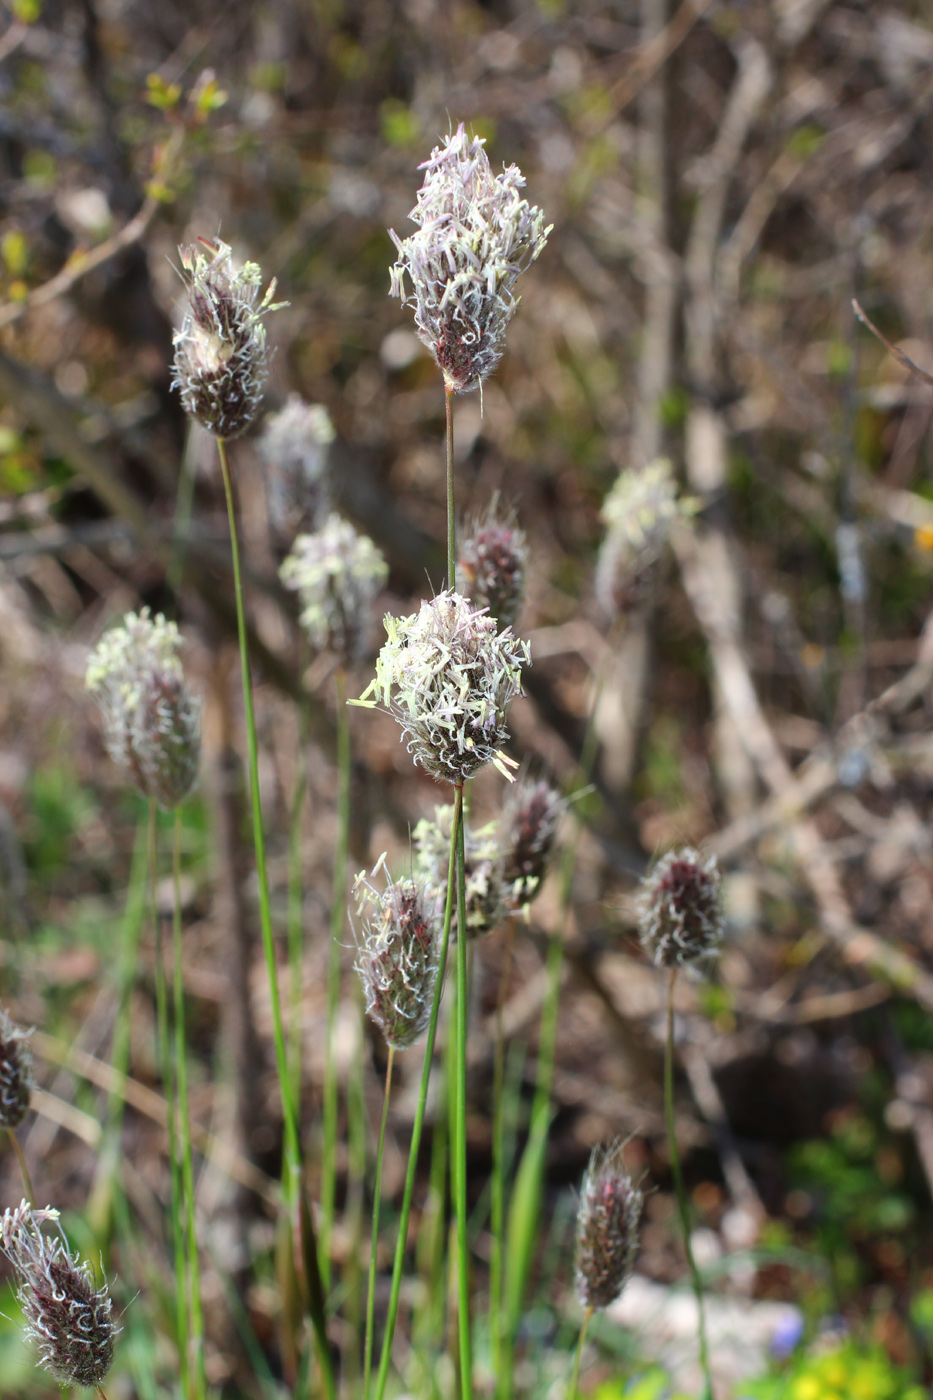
(377, 1191)
(168, 1085)
(497, 1181)
(460, 1140)
(578, 1356)
(679, 1188)
(417, 1126)
(292, 1171)
(334, 959)
(196, 1332)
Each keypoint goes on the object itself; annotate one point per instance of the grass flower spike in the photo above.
(680, 916)
(65, 1313)
(294, 446)
(529, 832)
(486, 902)
(221, 360)
(16, 1073)
(152, 721)
(491, 568)
(397, 958)
(476, 234)
(639, 513)
(448, 676)
(338, 574)
(607, 1229)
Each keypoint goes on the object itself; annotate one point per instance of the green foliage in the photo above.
(165, 96)
(653, 1385)
(852, 1178)
(847, 1372)
(58, 807)
(400, 125)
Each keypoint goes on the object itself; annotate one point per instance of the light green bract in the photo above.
(152, 721)
(338, 574)
(448, 676)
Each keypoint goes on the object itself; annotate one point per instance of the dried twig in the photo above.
(81, 263)
(892, 349)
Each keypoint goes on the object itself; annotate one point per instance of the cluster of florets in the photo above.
(639, 513)
(221, 362)
(505, 861)
(448, 676)
(69, 1318)
(17, 1080)
(680, 915)
(338, 574)
(476, 234)
(486, 893)
(152, 721)
(491, 568)
(529, 832)
(607, 1229)
(397, 956)
(294, 446)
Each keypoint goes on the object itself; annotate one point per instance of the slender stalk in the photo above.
(295, 929)
(680, 1190)
(460, 1144)
(451, 517)
(533, 1158)
(196, 1337)
(575, 1379)
(337, 918)
(497, 1184)
(401, 1238)
(377, 1190)
(23, 1166)
(356, 1190)
(168, 1084)
(291, 1175)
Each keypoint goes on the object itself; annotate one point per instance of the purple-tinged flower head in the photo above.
(639, 513)
(294, 447)
(491, 567)
(486, 893)
(152, 721)
(66, 1314)
(221, 361)
(529, 831)
(607, 1228)
(680, 915)
(397, 956)
(338, 575)
(17, 1080)
(476, 234)
(448, 676)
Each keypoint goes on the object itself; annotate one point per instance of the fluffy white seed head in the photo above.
(338, 575)
(221, 361)
(486, 893)
(448, 676)
(397, 956)
(639, 513)
(680, 914)
(476, 234)
(152, 721)
(294, 446)
(491, 566)
(66, 1314)
(607, 1229)
(17, 1079)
